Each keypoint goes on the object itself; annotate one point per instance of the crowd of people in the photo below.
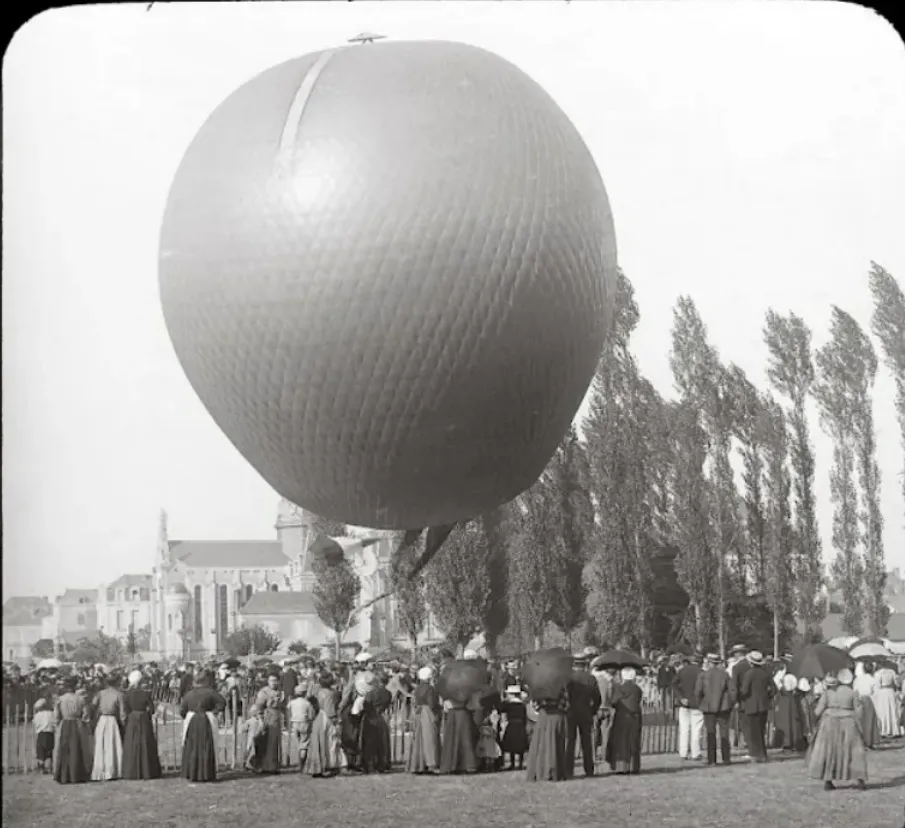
(94, 724)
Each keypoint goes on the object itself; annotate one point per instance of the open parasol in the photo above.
(869, 649)
(818, 660)
(49, 664)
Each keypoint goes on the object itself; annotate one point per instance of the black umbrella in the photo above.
(620, 659)
(816, 661)
(679, 649)
(232, 663)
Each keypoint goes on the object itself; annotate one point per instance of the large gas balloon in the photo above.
(387, 271)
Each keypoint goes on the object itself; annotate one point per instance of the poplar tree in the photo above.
(838, 391)
(752, 431)
(888, 325)
(457, 584)
(778, 569)
(791, 372)
(569, 479)
(627, 451)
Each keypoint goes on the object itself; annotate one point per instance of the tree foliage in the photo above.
(411, 601)
(44, 648)
(99, 649)
(297, 647)
(629, 458)
(254, 640)
(888, 325)
(572, 510)
(336, 590)
(841, 390)
(791, 372)
(457, 584)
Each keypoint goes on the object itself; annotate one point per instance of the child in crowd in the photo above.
(252, 728)
(301, 717)
(488, 748)
(44, 735)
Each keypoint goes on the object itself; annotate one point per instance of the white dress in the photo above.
(886, 703)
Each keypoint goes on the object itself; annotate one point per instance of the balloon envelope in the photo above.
(388, 272)
(547, 672)
(460, 680)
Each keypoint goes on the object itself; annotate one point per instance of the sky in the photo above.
(753, 153)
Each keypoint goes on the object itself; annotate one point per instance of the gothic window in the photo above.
(199, 627)
(80, 619)
(145, 593)
(111, 595)
(170, 622)
(135, 594)
(249, 589)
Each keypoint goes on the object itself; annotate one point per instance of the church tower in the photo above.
(294, 531)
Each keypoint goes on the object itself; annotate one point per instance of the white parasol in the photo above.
(869, 650)
(49, 664)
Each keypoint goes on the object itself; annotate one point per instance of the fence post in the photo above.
(7, 739)
(28, 766)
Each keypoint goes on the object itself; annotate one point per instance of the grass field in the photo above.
(669, 792)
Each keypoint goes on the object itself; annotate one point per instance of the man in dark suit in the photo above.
(739, 664)
(756, 694)
(666, 674)
(584, 702)
(715, 699)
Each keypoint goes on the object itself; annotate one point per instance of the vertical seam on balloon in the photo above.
(297, 108)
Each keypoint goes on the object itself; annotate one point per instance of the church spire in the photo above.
(163, 538)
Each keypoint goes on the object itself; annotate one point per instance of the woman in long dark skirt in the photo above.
(72, 760)
(623, 750)
(457, 750)
(547, 751)
(269, 741)
(140, 757)
(375, 732)
(790, 727)
(199, 749)
(424, 756)
(349, 724)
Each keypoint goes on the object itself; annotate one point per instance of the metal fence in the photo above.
(659, 736)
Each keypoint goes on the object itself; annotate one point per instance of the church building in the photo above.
(202, 591)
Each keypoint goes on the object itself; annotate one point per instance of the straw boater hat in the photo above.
(470, 655)
(755, 657)
(713, 658)
(425, 674)
(738, 648)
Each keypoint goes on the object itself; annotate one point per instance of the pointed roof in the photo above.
(225, 554)
(25, 611)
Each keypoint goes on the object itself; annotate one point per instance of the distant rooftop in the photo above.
(226, 554)
(78, 596)
(279, 603)
(130, 581)
(25, 611)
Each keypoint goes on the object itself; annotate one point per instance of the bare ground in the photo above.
(669, 792)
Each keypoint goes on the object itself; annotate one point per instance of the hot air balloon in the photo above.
(387, 270)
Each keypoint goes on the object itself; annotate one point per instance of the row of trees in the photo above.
(691, 518)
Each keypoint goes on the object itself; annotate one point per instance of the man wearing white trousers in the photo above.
(691, 719)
